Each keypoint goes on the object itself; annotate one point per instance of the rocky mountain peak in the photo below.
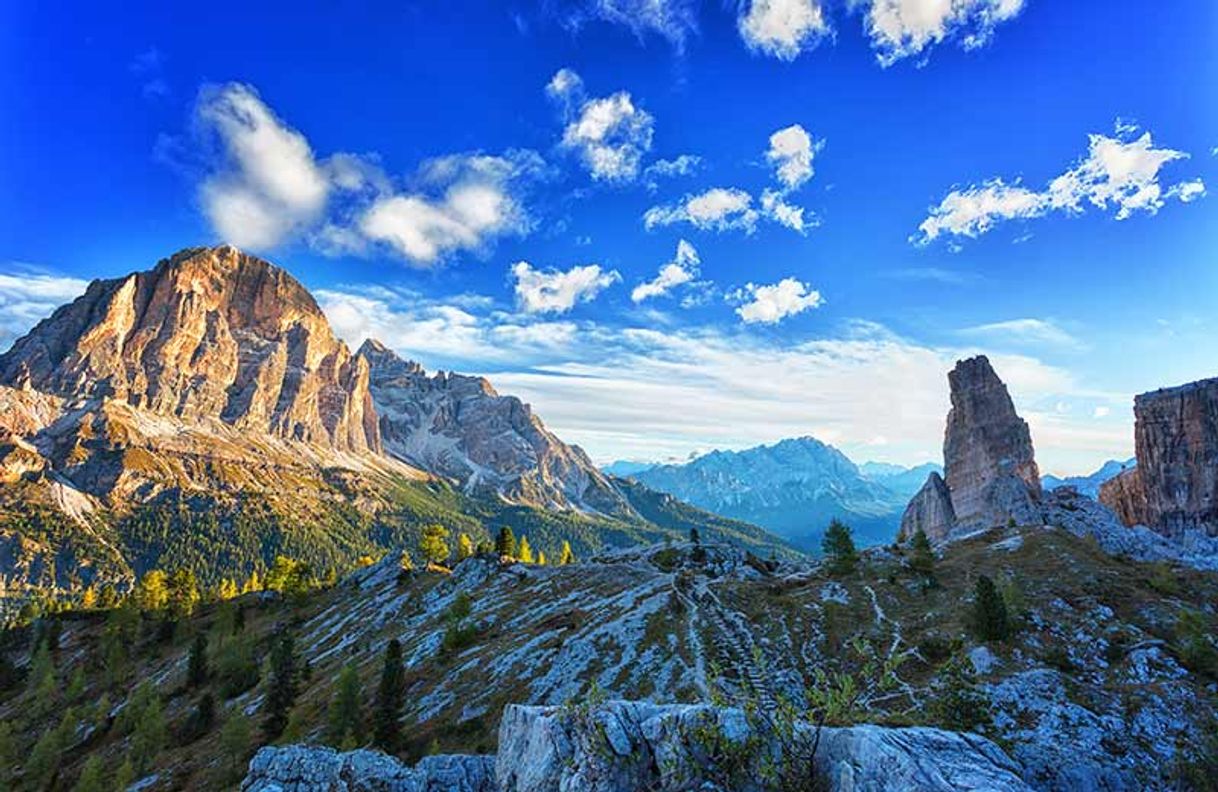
(206, 334)
(1174, 487)
(459, 427)
(990, 473)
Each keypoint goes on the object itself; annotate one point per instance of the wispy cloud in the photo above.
(27, 296)
(683, 269)
(1023, 332)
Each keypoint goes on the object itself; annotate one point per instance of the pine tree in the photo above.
(124, 775)
(196, 666)
(235, 739)
(345, 729)
(541, 558)
(505, 542)
(43, 761)
(91, 776)
(989, 617)
(281, 687)
(152, 593)
(839, 549)
(694, 537)
(108, 598)
(465, 547)
(567, 557)
(524, 551)
(42, 679)
(252, 583)
(149, 736)
(204, 715)
(183, 594)
(228, 590)
(387, 725)
(433, 543)
(922, 557)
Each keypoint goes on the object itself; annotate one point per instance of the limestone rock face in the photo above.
(987, 450)
(297, 768)
(624, 746)
(459, 427)
(209, 333)
(990, 469)
(930, 510)
(1174, 488)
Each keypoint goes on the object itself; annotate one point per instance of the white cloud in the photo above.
(28, 297)
(555, 291)
(475, 205)
(682, 165)
(782, 28)
(1119, 172)
(610, 134)
(267, 184)
(681, 270)
(904, 28)
(775, 302)
(1040, 332)
(1101, 412)
(717, 209)
(675, 20)
(791, 152)
(775, 207)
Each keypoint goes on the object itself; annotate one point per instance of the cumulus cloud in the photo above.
(474, 204)
(681, 270)
(774, 206)
(791, 152)
(610, 134)
(716, 209)
(27, 297)
(773, 303)
(904, 28)
(267, 184)
(782, 28)
(1119, 173)
(556, 291)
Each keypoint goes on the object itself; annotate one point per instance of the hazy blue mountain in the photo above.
(794, 488)
(1090, 484)
(624, 468)
(903, 480)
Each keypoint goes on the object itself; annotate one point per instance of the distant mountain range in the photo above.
(1090, 485)
(794, 488)
(203, 414)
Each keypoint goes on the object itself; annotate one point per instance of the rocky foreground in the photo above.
(620, 746)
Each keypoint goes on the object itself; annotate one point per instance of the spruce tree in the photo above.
(922, 556)
(345, 728)
(389, 699)
(281, 687)
(694, 536)
(149, 736)
(465, 547)
(567, 556)
(8, 754)
(196, 665)
(235, 739)
(183, 594)
(839, 549)
(989, 616)
(505, 542)
(524, 551)
(91, 776)
(434, 543)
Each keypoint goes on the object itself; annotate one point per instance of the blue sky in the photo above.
(669, 225)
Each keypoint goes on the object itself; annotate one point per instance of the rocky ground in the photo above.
(1097, 688)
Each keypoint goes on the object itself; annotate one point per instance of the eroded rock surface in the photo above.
(623, 746)
(459, 427)
(1174, 488)
(209, 333)
(990, 473)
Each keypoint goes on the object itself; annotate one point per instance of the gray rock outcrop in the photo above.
(990, 473)
(459, 427)
(1174, 488)
(624, 746)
